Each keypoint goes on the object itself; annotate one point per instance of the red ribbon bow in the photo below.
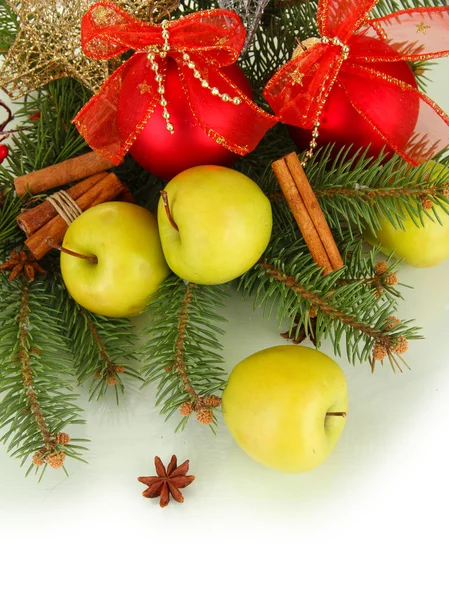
(212, 39)
(346, 56)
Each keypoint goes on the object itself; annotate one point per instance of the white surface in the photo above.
(371, 522)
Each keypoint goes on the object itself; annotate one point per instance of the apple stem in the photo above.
(167, 210)
(336, 414)
(50, 242)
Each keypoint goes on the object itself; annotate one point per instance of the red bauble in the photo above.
(4, 151)
(342, 125)
(165, 154)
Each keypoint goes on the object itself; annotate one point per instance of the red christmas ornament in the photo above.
(156, 149)
(354, 55)
(4, 150)
(202, 47)
(342, 125)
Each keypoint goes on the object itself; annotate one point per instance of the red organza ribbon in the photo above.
(212, 38)
(300, 88)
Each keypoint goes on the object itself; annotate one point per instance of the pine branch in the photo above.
(37, 402)
(356, 192)
(385, 7)
(102, 348)
(47, 140)
(182, 349)
(355, 302)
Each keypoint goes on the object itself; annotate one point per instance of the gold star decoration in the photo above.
(297, 78)
(421, 27)
(144, 87)
(48, 43)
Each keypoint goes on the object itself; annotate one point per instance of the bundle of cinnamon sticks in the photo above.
(307, 212)
(95, 185)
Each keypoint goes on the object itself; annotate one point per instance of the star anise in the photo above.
(22, 262)
(168, 481)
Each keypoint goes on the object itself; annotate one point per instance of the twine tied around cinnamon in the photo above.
(65, 206)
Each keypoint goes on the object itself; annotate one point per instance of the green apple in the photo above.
(224, 224)
(131, 264)
(286, 407)
(423, 246)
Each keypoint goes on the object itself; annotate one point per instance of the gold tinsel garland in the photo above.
(48, 43)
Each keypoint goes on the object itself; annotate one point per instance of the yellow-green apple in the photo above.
(130, 263)
(425, 245)
(286, 407)
(214, 225)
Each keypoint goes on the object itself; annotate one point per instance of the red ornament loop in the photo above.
(299, 90)
(199, 43)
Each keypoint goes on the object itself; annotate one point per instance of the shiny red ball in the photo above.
(4, 151)
(342, 125)
(165, 154)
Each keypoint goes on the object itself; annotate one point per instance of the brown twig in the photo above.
(321, 304)
(179, 363)
(24, 343)
(373, 193)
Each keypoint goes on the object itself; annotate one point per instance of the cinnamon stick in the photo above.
(108, 188)
(302, 217)
(33, 219)
(314, 210)
(62, 173)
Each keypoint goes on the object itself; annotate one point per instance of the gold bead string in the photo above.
(335, 41)
(152, 57)
(205, 84)
(158, 77)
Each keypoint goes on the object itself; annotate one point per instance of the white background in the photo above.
(371, 522)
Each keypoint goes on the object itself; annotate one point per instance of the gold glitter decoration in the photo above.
(421, 28)
(48, 43)
(144, 87)
(298, 77)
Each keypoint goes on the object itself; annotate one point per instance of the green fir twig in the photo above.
(183, 349)
(37, 400)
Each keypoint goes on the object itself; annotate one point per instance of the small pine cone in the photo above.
(62, 439)
(400, 345)
(379, 351)
(427, 203)
(56, 459)
(381, 268)
(186, 408)
(392, 323)
(119, 368)
(312, 313)
(205, 416)
(378, 291)
(38, 458)
(390, 279)
(111, 379)
(212, 401)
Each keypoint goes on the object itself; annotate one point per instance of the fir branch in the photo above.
(103, 349)
(288, 283)
(47, 140)
(356, 192)
(284, 22)
(181, 351)
(385, 7)
(37, 402)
